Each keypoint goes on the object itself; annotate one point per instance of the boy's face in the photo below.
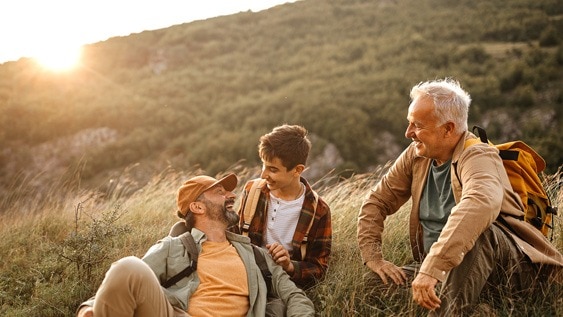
(277, 176)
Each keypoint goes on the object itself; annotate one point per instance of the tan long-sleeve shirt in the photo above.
(486, 193)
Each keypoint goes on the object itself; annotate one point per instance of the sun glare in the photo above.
(59, 58)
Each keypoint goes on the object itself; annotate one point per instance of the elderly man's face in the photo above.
(427, 133)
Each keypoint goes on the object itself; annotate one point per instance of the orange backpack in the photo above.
(523, 165)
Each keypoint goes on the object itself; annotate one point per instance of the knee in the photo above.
(127, 268)
(128, 263)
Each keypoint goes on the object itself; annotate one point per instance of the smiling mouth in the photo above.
(229, 204)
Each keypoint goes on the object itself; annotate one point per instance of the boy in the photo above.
(289, 219)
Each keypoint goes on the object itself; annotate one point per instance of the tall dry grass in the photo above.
(342, 293)
(55, 251)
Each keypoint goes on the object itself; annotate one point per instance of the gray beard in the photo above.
(231, 217)
(221, 213)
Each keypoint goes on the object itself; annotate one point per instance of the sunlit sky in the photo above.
(44, 28)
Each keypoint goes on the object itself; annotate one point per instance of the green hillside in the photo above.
(200, 94)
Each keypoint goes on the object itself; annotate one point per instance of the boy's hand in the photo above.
(281, 257)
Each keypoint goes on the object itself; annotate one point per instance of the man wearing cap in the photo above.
(227, 281)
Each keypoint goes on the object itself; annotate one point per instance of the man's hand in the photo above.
(281, 257)
(423, 291)
(85, 311)
(387, 270)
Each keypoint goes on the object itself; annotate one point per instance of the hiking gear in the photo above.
(523, 165)
(251, 204)
(190, 245)
(169, 256)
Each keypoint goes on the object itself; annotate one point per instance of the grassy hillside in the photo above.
(90, 159)
(56, 253)
(201, 93)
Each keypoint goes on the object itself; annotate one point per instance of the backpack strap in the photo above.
(261, 262)
(189, 243)
(306, 238)
(481, 133)
(251, 203)
(470, 142)
(504, 154)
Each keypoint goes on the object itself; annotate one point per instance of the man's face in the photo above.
(278, 176)
(220, 205)
(427, 133)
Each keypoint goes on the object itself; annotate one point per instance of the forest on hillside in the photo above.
(199, 95)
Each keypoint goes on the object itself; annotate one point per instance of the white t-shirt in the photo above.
(282, 220)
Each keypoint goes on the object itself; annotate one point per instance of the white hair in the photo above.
(451, 102)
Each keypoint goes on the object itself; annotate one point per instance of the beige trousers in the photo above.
(130, 288)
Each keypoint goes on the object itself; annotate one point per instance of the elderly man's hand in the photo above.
(423, 291)
(387, 270)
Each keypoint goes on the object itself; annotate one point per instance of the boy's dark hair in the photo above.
(289, 143)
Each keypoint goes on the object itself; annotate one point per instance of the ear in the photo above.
(299, 169)
(197, 207)
(450, 128)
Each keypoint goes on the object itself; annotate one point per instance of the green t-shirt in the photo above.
(436, 203)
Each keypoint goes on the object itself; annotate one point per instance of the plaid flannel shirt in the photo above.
(313, 268)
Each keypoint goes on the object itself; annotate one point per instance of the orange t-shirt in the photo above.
(223, 288)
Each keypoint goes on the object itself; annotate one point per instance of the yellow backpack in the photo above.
(523, 165)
